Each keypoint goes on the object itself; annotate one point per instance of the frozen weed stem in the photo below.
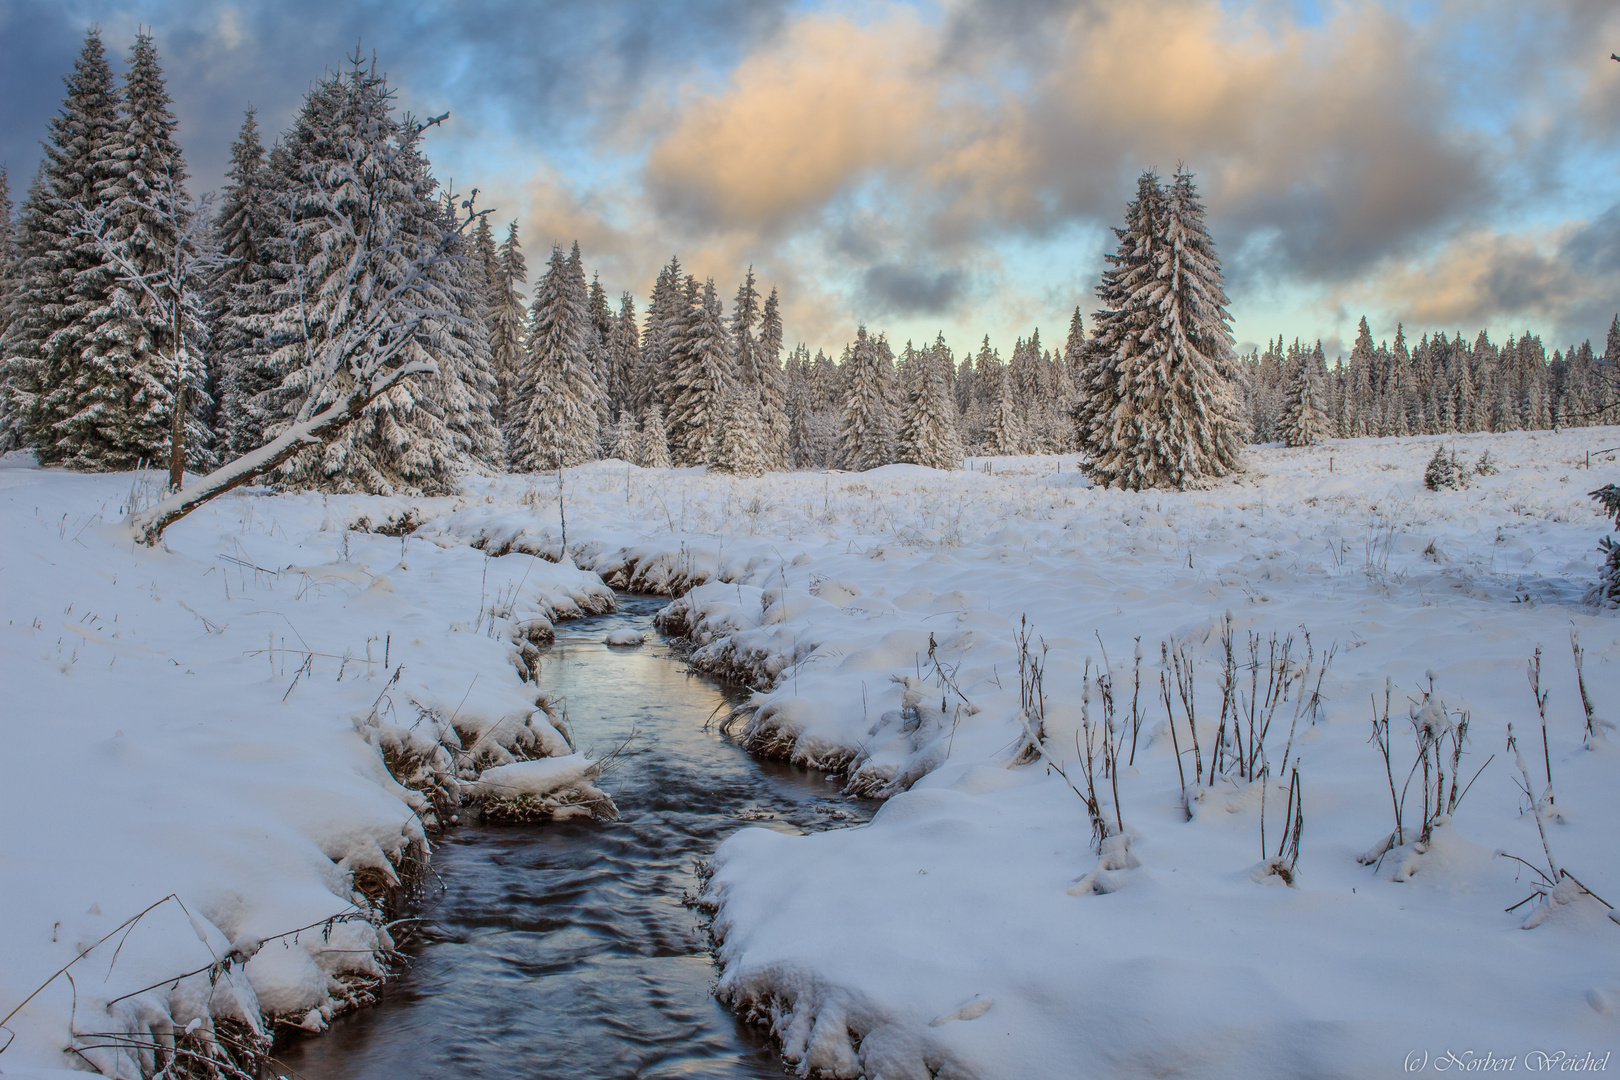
(1439, 737)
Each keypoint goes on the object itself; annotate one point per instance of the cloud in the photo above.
(543, 72)
(1322, 150)
(893, 289)
(957, 166)
(1333, 139)
(1563, 281)
(798, 124)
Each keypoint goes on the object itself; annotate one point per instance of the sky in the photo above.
(956, 166)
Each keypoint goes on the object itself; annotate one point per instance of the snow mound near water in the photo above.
(558, 787)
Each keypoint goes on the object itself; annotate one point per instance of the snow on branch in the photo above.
(350, 369)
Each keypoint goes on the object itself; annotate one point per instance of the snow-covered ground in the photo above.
(971, 929)
(211, 722)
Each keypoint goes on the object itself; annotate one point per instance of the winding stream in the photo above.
(564, 950)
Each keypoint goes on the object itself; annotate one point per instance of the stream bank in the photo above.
(572, 948)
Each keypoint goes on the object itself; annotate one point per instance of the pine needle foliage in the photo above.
(1162, 410)
(558, 396)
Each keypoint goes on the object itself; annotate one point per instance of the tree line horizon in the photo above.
(99, 374)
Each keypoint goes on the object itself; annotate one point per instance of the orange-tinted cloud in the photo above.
(827, 103)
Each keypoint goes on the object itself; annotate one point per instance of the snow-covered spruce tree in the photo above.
(744, 318)
(598, 342)
(624, 356)
(1163, 411)
(557, 421)
(156, 337)
(10, 265)
(248, 233)
(356, 363)
(1075, 347)
(980, 375)
(1607, 590)
(1028, 385)
(770, 381)
(1004, 428)
(703, 373)
(487, 273)
(800, 408)
(60, 297)
(366, 237)
(507, 324)
(1303, 422)
(759, 366)
(868, 435)
(928, 433)
(668, 310)
(653, 446)
(739, 449)
(1445, 471)
(626, 445)
(169, 293)
(464, 389)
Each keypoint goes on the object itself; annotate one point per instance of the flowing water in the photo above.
(564, 950)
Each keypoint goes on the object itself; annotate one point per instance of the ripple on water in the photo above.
(563, 950)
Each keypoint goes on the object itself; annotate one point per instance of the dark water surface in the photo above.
(564, 950)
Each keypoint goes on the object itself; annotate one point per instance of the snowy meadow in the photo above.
(1139, 816)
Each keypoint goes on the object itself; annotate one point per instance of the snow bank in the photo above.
(261, 721)
(217, 720)
(973, 928)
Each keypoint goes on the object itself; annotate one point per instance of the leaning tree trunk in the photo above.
(317, 430)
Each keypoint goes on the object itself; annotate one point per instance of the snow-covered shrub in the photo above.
(1444, 471)
(1486, 465)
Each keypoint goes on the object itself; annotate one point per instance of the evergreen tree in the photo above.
(703, 373)
(132, 371)
(599, 339)
(363, 220)
(464, 390)
(506, 331)
(801, 408)
(60, 298)
(1119, 326)
(1004, 432)
(486, 270)
(769, 380)
(986, 375)
(744, 318)
(624, 355)
(1074, 348)
(625, 444)
(654, 444)
(738, 450)
(11, 433)
(928, 434)
(248, 234)
(557, 423)
(1609, 392)
(1165, 413)
(668, 310)
(1303, 421)
(869, 422)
